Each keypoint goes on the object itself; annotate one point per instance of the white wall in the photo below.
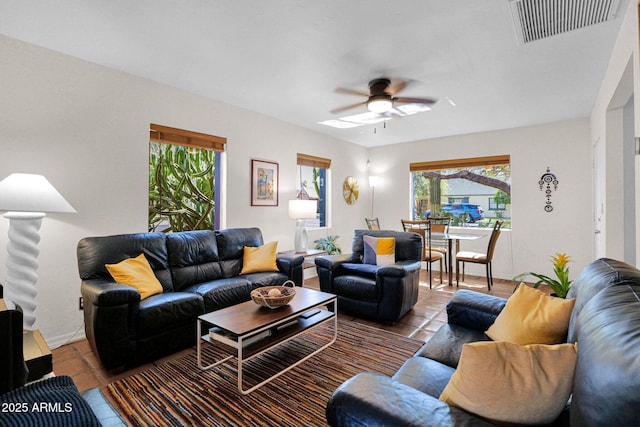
(620, 82)
(85, 127)
(536, 234)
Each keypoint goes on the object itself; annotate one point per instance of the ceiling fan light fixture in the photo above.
(380, 104)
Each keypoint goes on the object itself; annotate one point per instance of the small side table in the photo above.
(309, 256)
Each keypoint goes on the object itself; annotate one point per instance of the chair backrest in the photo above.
(439, 225)
(493, 240)
(408, 245)
(372, 223)
(414, 224)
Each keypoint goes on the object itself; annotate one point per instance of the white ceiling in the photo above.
(285, 58)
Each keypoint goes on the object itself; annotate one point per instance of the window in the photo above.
(495, 206)
(458, 200)
(183, 177)
(470, 191)
(312, 182)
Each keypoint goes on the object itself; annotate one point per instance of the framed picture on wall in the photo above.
(264, 183)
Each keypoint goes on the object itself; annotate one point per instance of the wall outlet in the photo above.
(81, 303)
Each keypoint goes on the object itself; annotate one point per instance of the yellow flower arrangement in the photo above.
(560, 286)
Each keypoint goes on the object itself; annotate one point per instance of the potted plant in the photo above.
(329, 244)
(559, 286)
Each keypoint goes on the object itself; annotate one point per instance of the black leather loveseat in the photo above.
(199, 272)
(605, 323)
(379, 292)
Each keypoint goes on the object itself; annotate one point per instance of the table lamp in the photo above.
(301, 210)
(27, 198)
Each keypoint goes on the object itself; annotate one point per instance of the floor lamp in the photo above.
(301, 210)
(373, 181)
(27, 198)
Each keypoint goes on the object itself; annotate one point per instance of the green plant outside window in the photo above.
(182, 183)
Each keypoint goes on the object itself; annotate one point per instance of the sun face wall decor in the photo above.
(350, 190)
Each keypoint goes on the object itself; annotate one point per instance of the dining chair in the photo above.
(440, 225)
(372, 223)
(480, 258)
(429, 254)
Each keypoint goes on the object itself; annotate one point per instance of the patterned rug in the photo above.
(177, 393)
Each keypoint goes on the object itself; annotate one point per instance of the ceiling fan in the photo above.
(381, 97)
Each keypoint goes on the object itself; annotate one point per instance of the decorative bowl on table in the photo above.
(274, 296)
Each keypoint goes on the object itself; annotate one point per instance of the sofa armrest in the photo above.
(474, 310)
(103, 292)
(329, 267)
(371, 399)
(399, 269)
(108, 310)
(333, 262)
(290, 264)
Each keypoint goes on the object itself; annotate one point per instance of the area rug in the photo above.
(177, 393)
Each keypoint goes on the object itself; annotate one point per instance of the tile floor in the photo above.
(78, 361)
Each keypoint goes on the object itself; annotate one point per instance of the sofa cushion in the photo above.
(445, 346)
(356, 287)
(231, 243)
(408, 245)
(426, 375)
(532, 317)
(95, 252)
(136, 272)
(223, 293)
(193, 257)
(596, 276)
(272, 278)
(379, 250)
(507, 382)
(165, 311)
(259, 259)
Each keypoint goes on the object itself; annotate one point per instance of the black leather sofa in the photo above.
(605, 323)
(383, 293)
(199, 272)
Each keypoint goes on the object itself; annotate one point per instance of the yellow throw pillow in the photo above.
(506, 382)
(259, 259)
(136, 272)
(532, 317)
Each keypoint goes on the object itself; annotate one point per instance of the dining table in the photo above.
(451, 238)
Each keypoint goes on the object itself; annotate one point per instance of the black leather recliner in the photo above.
(199, 272)
(383, 293)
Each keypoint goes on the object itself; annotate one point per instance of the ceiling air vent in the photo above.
(538, 19)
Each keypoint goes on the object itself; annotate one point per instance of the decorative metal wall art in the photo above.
(545, 182)
(350, 190)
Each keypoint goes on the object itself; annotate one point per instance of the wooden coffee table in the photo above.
(265, 328)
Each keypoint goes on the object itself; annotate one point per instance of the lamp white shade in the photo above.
(303, 209)
(373, 180)
(26, 198)
(25, 192)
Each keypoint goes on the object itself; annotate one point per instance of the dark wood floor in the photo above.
(78, 361)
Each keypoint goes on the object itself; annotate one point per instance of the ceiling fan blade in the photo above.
(347, 107)
(425, 101)
(397, 87)
(351, 92)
